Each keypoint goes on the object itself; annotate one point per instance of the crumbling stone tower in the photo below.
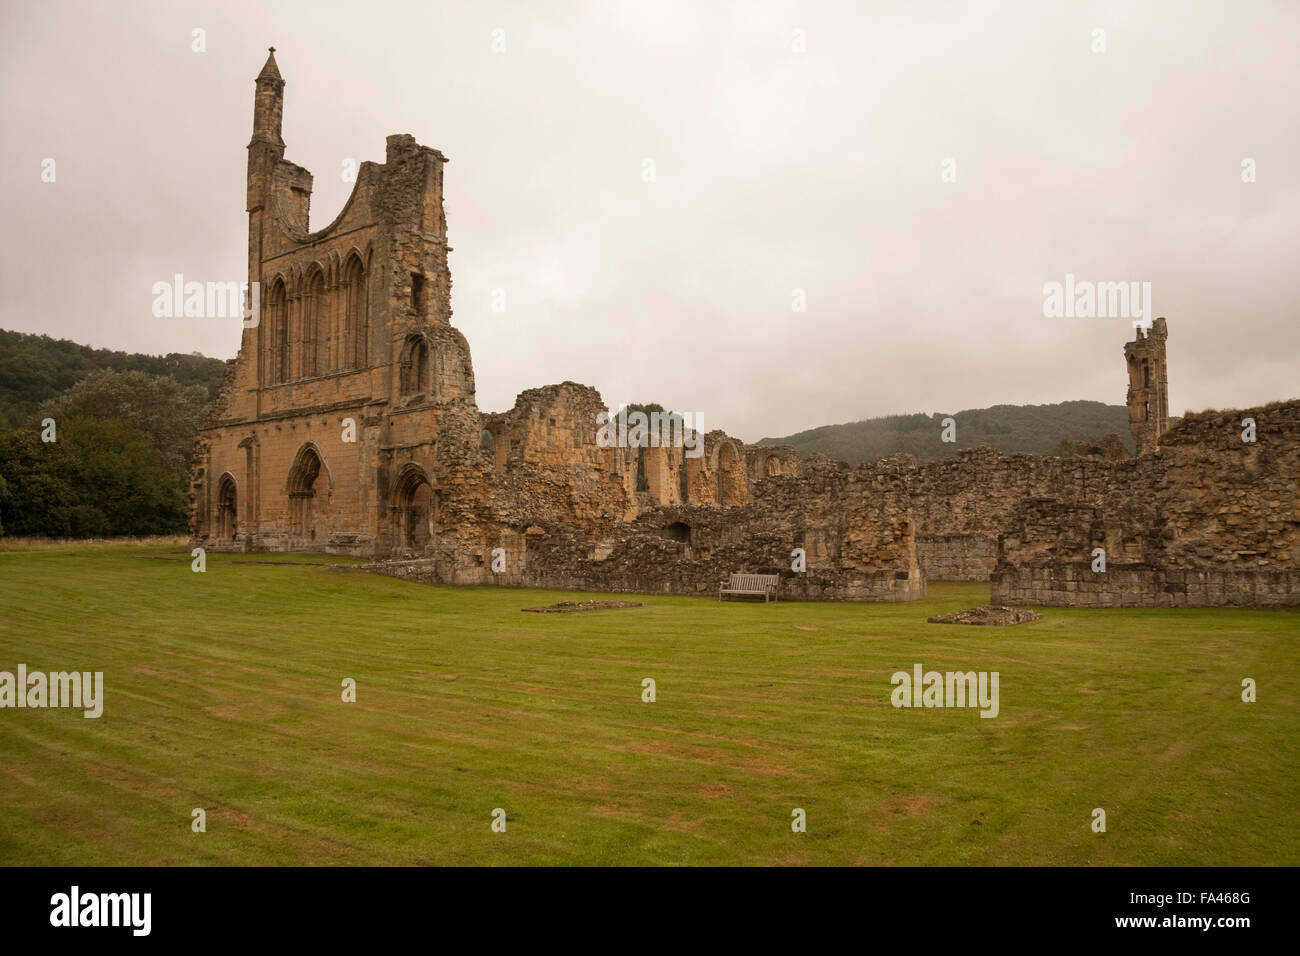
(1148, 386)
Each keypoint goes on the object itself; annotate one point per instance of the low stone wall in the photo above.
(1077, 585)
(649, 563)
(646, 562)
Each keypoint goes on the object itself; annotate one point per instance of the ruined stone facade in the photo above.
(348, 424)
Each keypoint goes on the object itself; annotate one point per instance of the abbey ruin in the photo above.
(348, 424)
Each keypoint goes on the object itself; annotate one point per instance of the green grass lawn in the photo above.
(222, 691)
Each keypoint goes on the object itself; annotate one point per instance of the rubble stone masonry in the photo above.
(1208, 519)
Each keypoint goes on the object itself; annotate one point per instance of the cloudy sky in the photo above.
(795, 145)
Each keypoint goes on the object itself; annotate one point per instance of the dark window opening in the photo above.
(642, 482)
(417, 293)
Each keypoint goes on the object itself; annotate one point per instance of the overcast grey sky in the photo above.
(775, 170)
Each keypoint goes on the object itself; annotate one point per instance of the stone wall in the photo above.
(1208, 519)
(957, 557)
(961, 504)
(565, 512)
(852, 523)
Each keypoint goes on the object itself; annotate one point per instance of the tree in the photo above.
(38, 496)
(34, 368)
(166, 411)
(101, 477)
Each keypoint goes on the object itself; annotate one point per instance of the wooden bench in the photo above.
(755, 585)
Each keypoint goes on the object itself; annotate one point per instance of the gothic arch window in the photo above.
(415, 366)
(315, 327)
(356, 318)
(276, 326)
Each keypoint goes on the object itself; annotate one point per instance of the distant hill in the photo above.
(1038, 429)
(34, 368)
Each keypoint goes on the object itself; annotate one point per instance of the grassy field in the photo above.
(222, 691)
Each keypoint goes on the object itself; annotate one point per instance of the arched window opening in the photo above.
(415, 367)
(275, 321)
(356, 322)
(315, 328)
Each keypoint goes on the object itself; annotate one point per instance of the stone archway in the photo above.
(227, 523)
(303, 511)
(415, 509)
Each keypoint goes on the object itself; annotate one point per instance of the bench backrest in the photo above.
(753, 582)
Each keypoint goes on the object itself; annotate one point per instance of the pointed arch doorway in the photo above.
(415, 509)
(309, 491)
(227, 523)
